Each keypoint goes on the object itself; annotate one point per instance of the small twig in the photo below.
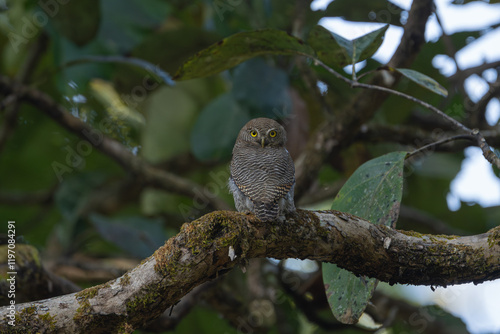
(371, 72)
(487, 152)
(355, 84)
(439, 142)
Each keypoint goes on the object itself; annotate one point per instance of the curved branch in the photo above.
(202, 249)
(115, 150)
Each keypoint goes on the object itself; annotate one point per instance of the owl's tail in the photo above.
(266, 211)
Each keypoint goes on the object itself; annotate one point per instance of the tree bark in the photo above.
(216, 242)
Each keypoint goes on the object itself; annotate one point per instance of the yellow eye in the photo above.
(253, 133)
(272, 133)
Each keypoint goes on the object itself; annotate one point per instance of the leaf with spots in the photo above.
(238, 48)
(374, 193)
(327, 49)
(335, 50)
(423, 80)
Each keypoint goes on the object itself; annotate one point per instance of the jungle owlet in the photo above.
(262, 171)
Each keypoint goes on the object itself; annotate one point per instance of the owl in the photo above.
(262, 171)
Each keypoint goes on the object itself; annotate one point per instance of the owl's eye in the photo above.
(253, 133)
(272, 133)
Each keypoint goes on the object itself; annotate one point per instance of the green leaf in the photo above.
(381, 11)
(238, 48)
(438, 315)
(374, 193)
(423, 80)
(138, 236)
(217, 127)
(157, 72)
(334, 49)
(364, 46)
(3, 6)
(327, 48)
(183, 108)
(263, 88)
(70, 198)
(78, 28)
(347, 294)
(125, 24)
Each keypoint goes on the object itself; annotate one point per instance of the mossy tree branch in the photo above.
(202, 250)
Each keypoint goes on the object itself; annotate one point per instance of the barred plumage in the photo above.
(262, 171)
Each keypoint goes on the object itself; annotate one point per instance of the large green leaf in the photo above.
(158, 74)
(418, 322)
(238, 48)
(326, 47)
(374, 193)
(423, 80)
(381, 11)
(215, 130)
(362, 47)
(138, 236)
(335, 50)
(125, 24)
(262, 88)
(70, 198)
(70, 21)
(176, 107)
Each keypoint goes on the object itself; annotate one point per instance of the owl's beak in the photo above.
(263, 142)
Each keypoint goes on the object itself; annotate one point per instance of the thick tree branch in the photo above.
(115, 150)
(206, 248)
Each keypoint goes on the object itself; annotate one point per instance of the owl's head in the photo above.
(263, 132)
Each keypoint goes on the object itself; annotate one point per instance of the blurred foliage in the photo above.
(96, 207)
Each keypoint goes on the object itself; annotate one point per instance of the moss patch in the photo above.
(125, 280)
(494, 237)
(28, 318)
(212, 232)
(83, 316)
